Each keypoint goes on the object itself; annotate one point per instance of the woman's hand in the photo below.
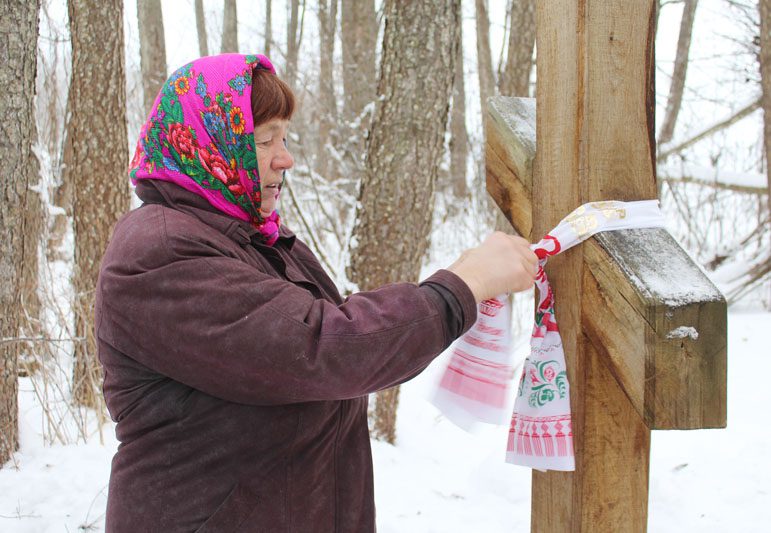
(502, 263)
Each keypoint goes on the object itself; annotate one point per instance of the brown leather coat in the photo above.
(238, 377)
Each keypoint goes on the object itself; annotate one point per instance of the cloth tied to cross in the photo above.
(477, 383)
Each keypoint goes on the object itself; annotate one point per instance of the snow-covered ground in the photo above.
(440, 479)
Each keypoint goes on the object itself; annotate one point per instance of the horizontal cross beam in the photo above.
(657, 320)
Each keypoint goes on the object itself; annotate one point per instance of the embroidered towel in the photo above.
(479, 375)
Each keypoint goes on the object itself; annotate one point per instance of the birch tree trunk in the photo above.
(404, 149)
(200, 24)
(515, 80)
(229, 28)
(327, 12)
(18, 171)
(765, 82)
(95, 157)
(675, 98)
(152, 49)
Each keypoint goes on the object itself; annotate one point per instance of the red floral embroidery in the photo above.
(214, 164)
(182, 140)
(137, 156)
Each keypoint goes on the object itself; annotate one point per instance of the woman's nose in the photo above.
(283, 160)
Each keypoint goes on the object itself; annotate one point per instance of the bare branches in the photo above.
(679, 72)
(666, 151)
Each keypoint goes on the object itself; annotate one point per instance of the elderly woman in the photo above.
(237, 375)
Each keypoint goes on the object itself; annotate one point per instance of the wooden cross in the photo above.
(644, 330)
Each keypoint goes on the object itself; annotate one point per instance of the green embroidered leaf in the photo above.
(562, 383)
(168, 89)
(250, 160)
(175, 112)
(532, 400)
(157, 158)
(545, 396)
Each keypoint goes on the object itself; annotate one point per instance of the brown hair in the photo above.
(271, 97)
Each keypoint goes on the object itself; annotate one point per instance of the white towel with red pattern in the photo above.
(479, 377)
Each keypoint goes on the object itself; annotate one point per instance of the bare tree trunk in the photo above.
(458, 133)
(152, 49)
(200, 24)
(765, 82)
(52, 134)
(359, 39)
(404, 149)
(484, 56)
(95, 156)
(327, 12)
(17, 173)
(678, 73)
(293, 42)
(268, 26)
(486, 90)
(359, 43)
(515, 80)
(229, 28)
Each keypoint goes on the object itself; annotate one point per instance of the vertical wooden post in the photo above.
(594, 142)
(644, 330)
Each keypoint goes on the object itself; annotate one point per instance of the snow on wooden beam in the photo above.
(661, 324)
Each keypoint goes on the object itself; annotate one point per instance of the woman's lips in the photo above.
(269, 199)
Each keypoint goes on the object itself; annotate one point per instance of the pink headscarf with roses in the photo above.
(200, 135)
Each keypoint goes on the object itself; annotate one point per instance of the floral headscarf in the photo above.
(200, 135)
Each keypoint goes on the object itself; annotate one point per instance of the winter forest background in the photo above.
(66, 149)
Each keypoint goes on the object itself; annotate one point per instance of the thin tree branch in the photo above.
(679, 72)
(666, 151)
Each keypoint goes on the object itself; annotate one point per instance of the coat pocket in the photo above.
(232, 512)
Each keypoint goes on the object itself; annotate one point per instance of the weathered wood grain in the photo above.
(593, 143)
(557, 497)
(662, 325)
(509, 156)
(613, 462)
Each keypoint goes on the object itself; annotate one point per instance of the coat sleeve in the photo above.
(228, 329)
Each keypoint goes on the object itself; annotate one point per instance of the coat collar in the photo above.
(171, 195)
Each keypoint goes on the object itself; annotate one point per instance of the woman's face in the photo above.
(273, 159)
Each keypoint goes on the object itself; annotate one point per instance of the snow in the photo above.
(711, 175)
(518, 115)
(659, 267)
(683, 332)
(439, 478)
